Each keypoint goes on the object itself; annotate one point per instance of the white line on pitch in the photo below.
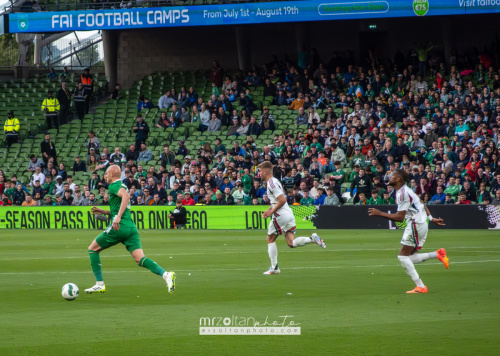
(9, 258)
(241, 269)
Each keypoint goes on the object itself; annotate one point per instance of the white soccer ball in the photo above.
(70, 291)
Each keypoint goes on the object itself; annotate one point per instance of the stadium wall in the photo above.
(245, 217)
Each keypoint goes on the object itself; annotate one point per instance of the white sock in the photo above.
(422, 257)
(99, 283)
(301, 241)
(272, 250)
(410, 270)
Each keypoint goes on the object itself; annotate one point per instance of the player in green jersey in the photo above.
(122, 230)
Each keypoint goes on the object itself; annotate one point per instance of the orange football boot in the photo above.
(418, 290)
(442, 257)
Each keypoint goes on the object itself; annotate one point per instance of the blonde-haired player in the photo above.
(282, 219)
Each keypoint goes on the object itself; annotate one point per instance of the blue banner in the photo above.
(245, 13)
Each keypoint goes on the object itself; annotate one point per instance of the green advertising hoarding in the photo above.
(148, 217)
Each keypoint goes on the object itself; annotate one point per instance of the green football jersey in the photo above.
(115, 201)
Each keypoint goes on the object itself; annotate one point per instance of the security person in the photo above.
(63, 95)
(88, 83)
(11, 128)
(51, 107)
(80, 96)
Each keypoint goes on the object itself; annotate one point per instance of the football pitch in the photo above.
(349, 298)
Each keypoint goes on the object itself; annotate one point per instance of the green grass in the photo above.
(349, 298)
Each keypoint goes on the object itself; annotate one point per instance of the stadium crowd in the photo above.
(442, 128)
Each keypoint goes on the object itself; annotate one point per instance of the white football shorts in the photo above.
(281, 224)
(415, 234)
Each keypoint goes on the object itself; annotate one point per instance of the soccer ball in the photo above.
(70, 291)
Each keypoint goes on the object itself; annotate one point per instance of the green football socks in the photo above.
(151, 265)
(95, 262)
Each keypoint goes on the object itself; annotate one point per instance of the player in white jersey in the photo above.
(416, 214)
(282, 219)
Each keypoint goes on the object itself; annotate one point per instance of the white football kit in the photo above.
(416, 229)
(282, 220)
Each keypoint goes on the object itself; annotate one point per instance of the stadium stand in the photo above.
(336, 103)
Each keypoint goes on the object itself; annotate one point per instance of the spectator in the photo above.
(331, 198)
(34, 162)
(28, 200)
(182, 150)
(166, 100)
(375, 199)
(79, 165)
(38, 176)
(320, 199)
(79, 199)
(19, 195)
(306, 199)
(297, 103)
(156, 200)
(462, 199)
(496, 201)
(214, 124)
(439, 197)
(142, 130)
(453, 188)
(48, 149)
(63, 95)
(116, 92)
(116, 157)
(93, 143)
(387, 199)
(482, 193)
(362, 184)
(247, 103)
(132, 154)
(145, 154)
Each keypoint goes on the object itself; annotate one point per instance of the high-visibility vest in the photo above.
(87, 81)
(52, 105)
(11, 127)
(80, 95)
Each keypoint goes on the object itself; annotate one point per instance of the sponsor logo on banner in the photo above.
(420, 7)
(22, 22)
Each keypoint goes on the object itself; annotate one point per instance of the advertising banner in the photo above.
(455, 217)
(241, 13)
(246, 217)
(147, 217)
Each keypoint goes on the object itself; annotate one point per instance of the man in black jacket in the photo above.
(253, 128)
(167, 157)
(79, 165)
(178, 217)
(48, 149)
(269, 88)
(64, 97)
(132, 154)
(142, 130)
(362, 184)
(401, 150)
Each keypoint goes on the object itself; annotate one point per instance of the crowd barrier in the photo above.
(245, 217)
